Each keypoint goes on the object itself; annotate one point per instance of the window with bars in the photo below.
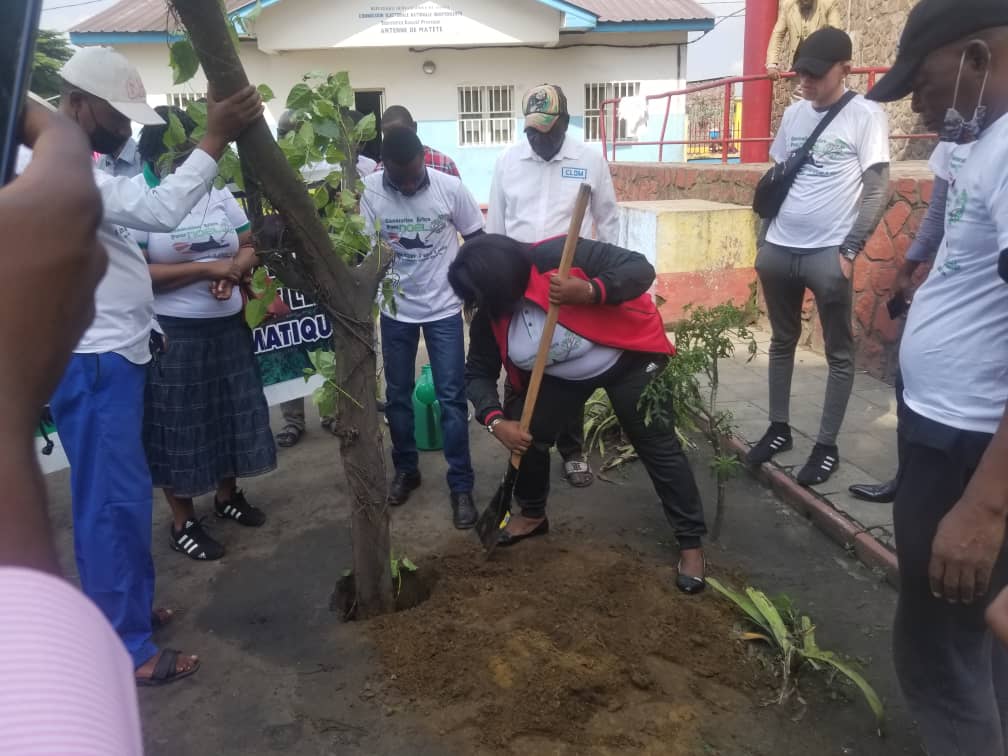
(486, 115)
(595, 95)
(184, 99)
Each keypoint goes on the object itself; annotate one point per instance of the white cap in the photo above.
(104, 73)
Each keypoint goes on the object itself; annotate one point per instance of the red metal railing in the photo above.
(726, 142)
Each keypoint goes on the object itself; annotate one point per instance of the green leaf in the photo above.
(742, 601)
(265, 92)
(255, 312)
(229, 168)
(198, 112)
(344, 92)
(874, 702)
(306, 135)
(175, 135)
(321, 197)
(773, 619)
(324, 109)
(300, 97)
(366, 129)
(328, 129)
(395, 569)
(408, 565)
(184, 62)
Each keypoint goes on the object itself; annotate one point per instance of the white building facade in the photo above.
(460, 66)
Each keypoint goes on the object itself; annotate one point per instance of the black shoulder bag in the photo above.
(773, 187)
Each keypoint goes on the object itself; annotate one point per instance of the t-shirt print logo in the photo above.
(581, 174)
(409, 243)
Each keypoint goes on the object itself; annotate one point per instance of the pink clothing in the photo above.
(66, 681)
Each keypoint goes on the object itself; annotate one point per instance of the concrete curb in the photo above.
(824, 515)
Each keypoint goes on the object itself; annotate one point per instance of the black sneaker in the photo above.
(403, 484)
(239, 510)
(194, 542)
(822, 462)
(776, 439)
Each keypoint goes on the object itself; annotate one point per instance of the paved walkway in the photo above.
(867, 441)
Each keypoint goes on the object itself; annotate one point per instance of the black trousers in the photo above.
(953, 673)
(657, 444)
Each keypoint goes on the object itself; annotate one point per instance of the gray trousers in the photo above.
(953, 672)
(784, 274)
(294, 413)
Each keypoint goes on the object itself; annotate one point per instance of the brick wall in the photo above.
(876, 337)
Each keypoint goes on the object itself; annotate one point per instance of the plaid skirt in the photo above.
(205, 415)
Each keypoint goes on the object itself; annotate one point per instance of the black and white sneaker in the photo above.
(776, 439)
(238, 509)
(194, 542)
(822, 462)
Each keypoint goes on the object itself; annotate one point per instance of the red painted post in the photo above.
(726, 123)
(757, 96)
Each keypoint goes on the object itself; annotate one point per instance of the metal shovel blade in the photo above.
(495, 517)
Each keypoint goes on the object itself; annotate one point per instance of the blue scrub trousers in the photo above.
(98, 409)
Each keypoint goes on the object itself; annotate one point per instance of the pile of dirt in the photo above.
(551, 650)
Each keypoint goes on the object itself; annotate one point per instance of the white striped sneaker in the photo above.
(238, 509)
(194, 542)
(822, 462)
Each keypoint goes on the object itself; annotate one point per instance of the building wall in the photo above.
(433, 99)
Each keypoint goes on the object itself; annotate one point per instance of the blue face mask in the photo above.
(955, 127)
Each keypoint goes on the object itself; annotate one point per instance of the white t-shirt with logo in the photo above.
(824, 200)
(209, 233)
(954, 353)
(423, 232)
(571, 357)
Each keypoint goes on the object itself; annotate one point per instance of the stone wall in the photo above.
(875, 27)
(876, 336)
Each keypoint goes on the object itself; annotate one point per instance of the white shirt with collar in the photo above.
(127, 163)
(124, 299)
(532, 199)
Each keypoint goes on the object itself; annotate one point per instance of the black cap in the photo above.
(822, 50)
(932, 24)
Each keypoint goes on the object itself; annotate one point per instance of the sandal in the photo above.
(578, 473)
(161, 618)
(166, 670)
(289, 435)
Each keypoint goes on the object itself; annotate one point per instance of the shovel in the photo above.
(496, 516)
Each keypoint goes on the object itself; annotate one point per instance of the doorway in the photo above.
(371, 101)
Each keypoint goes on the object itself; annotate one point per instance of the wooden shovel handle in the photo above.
(570, 245)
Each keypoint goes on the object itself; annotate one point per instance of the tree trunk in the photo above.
(347, 294)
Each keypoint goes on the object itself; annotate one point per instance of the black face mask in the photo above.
(104, 141)
(546, 145)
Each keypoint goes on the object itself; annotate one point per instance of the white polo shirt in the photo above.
(124, 299)
(532, 200)
(954, 352)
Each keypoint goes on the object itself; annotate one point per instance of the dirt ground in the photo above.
(576, 643)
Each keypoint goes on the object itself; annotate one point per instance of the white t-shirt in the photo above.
(124, 300)
(316, 172)
(571, 357)
(532, 200)
(823, 203)
(423, 232)
(954, 353)
(209, 233)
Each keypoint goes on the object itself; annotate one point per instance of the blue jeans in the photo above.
(446, 349)
(98, 409)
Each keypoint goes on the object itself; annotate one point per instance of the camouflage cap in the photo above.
(542, 106)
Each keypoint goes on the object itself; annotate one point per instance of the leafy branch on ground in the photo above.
(791, 636)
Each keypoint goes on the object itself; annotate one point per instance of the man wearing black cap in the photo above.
(952, 502)
(832, 208)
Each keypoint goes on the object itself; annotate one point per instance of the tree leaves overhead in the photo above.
(183, 60)
(52, 50)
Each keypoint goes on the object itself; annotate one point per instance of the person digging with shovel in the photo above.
(609, 335)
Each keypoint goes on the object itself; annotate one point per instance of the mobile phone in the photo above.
(19, 20)
(897, 307)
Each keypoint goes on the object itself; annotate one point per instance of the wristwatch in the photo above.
(493, 423)
(849, 252)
